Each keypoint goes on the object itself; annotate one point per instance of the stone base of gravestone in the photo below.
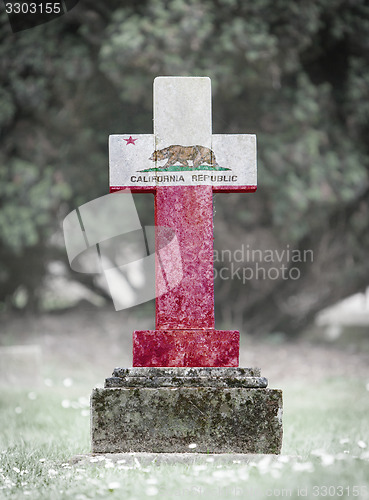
(176, 410)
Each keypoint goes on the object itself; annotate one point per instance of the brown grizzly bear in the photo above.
(181, 154)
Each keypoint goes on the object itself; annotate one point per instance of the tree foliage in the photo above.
(294, 73)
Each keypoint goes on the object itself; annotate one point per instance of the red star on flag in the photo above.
(130, 141)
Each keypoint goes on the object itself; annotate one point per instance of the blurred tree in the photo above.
(296, 74)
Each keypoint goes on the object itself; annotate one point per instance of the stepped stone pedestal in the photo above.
(165, 410)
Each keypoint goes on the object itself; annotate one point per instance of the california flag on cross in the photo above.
(182, 163)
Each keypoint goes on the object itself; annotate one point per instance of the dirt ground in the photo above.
(87, 343)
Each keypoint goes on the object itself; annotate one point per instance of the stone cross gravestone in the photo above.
(183, 164)
(185, 385)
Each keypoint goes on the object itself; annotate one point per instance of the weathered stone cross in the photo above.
(182, 163)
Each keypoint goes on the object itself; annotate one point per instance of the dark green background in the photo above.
(294, 72)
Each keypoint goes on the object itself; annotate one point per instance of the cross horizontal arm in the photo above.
(228, 166)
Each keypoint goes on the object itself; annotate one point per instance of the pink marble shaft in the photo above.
(185, 334)
(189, 211)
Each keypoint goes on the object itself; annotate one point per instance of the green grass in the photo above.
(325, 430)
(182, 168)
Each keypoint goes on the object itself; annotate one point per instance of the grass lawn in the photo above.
(325, 451)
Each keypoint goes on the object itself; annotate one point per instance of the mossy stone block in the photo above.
(169, 419)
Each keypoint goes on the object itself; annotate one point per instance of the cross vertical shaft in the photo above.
(182, 115)
(189, 211)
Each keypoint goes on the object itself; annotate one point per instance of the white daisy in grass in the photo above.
(68, 382)
(199, 467)
(327, 460)
(303, 467)
(151, 491)
(114, 485)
